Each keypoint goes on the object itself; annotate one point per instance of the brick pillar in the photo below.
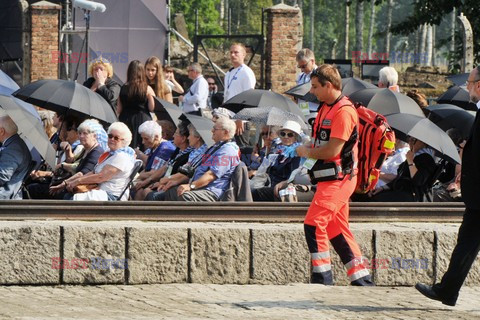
(284, 40)
(44, 17)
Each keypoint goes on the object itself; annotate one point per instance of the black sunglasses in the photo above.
(288, 134)
(111, 136)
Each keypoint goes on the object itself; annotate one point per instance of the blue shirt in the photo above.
(222, 163)
(158, 157)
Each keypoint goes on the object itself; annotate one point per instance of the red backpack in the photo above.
(376, 141)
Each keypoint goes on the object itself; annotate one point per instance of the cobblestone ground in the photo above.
(195, 301)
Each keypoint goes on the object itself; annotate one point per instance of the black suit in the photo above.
(468, 241)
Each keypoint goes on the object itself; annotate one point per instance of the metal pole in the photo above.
(229, 30)
(169, 32)
(262, 61)
(312, 22)
(87, 50)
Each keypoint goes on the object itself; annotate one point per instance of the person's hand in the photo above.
(377, 190)
(142, 184)
(182, 189)
(169, 76)
(240, 127)
(138, 152)
(180, 98)
(410, 155)
(56, 189)
(278, 187)
(99, 77)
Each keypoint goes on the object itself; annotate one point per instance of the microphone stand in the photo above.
(86, 17)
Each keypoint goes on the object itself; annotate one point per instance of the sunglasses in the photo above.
(111, 136)
(287, 134)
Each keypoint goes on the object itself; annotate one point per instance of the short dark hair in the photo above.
(168, 129)
(328, 73)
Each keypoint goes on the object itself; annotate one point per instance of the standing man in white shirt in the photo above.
(239, 78)
(306, 62)
(196, 97)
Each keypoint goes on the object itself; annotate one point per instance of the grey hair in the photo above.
(388, 76)
(124, 132)
(196, 67)
(305, 54)
(88, 125)
(7, 123)
(228, 125)
(195, 132)
(151, 129)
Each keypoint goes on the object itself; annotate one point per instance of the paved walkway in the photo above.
(195, 301)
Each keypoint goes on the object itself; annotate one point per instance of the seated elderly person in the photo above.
(15, 159)
(211, 177)
(270, 141)
(414, 179)
(145, 181)
(280, 165)
(84, 164)
(388, 78)
(158, 150)
(111, 174)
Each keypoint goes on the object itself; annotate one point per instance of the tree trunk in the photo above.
(452, 31)
(372, 23)
(312, 24)
(359, 27)
(347, 27)
(429, 45)
(388, 25)
(434, 58)
(423, 38)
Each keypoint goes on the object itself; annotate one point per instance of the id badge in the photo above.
(309, 163)
(304, 107)
(168, 173)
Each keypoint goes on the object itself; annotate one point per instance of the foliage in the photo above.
(208, 15)
(433, 11)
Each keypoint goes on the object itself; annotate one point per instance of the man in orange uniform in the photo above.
(332, 163)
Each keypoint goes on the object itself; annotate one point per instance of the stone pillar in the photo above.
(284, 40)
(43, 58)
(467, 62)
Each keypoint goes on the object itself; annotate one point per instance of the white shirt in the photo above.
(478, 104)
(197, 95)
(390, 166)
(301, 79)
(238, 80)
(123, 162)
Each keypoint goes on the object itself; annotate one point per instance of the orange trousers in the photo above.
(327, 221)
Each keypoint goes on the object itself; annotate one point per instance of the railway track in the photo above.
(263, 212)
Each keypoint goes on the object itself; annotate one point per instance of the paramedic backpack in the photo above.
(376, 141)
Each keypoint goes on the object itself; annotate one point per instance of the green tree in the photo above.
(208, 15)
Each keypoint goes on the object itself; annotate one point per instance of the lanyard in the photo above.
(234, 77)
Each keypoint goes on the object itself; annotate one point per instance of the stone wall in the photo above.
(44, 41)
(284, 40)
(138, 252)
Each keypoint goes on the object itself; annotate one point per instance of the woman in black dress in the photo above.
(136, 101)
(101, 72)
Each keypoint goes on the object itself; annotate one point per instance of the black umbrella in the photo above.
(67, 97)
(425, 130)
(302, 91)
(459, 79)
(29, 127)
(262, 98)
(203, 126)
(167, 111)
(448, 116)
(351, 85)
(386, 101)
(458, 96)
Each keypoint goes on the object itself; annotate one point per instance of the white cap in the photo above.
(219, 112)
(292, 126)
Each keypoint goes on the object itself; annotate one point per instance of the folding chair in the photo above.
(136, 168)
(30, 168)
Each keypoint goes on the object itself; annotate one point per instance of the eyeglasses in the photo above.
(303, 66)
(214, 129)
(266, 134)
(287, 134)
(116, 138)
(471, 81)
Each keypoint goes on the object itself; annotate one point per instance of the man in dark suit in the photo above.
(14, 159)
(468, 241)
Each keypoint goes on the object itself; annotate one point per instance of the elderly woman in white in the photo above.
(113, 168)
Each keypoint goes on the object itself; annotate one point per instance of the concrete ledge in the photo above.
(399, 254)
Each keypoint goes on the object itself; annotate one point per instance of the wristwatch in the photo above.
(192, 186)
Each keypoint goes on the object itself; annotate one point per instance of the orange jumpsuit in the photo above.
(327, 217)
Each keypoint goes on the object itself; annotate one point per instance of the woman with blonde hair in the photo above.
(156, 79)
(101, 72)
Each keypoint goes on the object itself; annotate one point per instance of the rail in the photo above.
(263, 212)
